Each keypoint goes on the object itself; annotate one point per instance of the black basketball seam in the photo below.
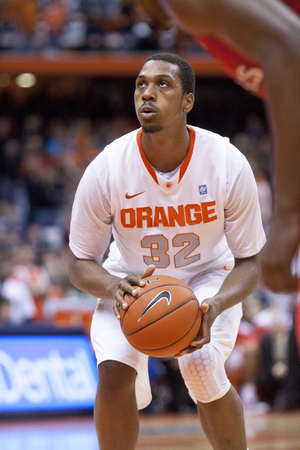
(149, 290)
(161, 317)
(166, 346)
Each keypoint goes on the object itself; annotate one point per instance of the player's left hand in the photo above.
(209, 313)
(276, 257)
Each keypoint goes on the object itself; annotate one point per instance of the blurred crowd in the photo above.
(40, 167)
(41, 164)
(82, 25)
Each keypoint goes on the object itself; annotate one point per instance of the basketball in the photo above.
(163, 319)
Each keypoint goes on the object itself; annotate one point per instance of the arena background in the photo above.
(67, 73)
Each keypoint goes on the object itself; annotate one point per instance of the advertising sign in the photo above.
(44, 373)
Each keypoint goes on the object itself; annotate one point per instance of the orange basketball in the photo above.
(163, 319)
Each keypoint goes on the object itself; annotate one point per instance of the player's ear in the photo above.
(188, 102)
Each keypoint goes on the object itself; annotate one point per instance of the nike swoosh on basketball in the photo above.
(134, 195)
(157, 298)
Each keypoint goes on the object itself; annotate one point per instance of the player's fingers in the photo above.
(194, 345)
(124, 287)
(204, 307)
(128, 285)
(204, 333)
(148, 272)
(116, 309)
(185, 352)
(202, 339)
(203, 336)
(120, 300)
(200, 342)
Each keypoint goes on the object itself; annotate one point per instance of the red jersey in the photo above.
(229, 57)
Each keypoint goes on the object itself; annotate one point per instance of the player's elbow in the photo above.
(73, 269)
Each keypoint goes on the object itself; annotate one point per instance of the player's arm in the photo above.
(245, 71)
(269, 32)
(91, 277)
(237, 286)
(240, 23)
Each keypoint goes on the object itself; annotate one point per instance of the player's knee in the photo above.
(115, 377)
(204, 374)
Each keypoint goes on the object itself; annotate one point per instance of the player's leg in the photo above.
(116, 413)
(223, 422)
(220, 408)
(123, 385)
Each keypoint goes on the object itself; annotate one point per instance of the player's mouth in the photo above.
(147, 111)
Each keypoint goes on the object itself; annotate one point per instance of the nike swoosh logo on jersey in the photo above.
(134, 195)
(227, 268)
(156, 299)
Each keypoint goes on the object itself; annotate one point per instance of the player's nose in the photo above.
(149, 93)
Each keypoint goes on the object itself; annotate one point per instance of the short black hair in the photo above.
(186, 72)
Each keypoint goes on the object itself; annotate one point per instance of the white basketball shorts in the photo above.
(109, 342)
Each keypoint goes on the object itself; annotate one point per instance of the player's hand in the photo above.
(155, 15)
(276, 257)
(128, 285)
(209, 313)
(250, 78)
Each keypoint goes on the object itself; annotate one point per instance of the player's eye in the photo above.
(163, 83)
(140, 84)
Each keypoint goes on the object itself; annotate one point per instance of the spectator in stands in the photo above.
(27, 270)
(11, 224)
(4, 310)
(17, 292)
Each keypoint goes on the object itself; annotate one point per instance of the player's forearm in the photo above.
(239, 284)
(283, 91)
(92, 278)
(268, 32)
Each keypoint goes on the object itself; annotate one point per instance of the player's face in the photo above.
(159, 100)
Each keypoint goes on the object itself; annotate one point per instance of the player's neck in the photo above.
(166, 151)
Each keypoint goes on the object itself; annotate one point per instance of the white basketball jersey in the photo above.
(183, 225)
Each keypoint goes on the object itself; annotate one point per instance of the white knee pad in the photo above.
(204, 374)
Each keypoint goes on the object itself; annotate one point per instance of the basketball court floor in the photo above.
(272, 431)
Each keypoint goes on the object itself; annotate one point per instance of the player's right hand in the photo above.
(276, 257)
(127, 285)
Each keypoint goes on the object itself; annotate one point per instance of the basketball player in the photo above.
(182, 201)
(268, 33)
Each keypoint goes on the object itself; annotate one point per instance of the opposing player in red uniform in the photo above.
(264, 34)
